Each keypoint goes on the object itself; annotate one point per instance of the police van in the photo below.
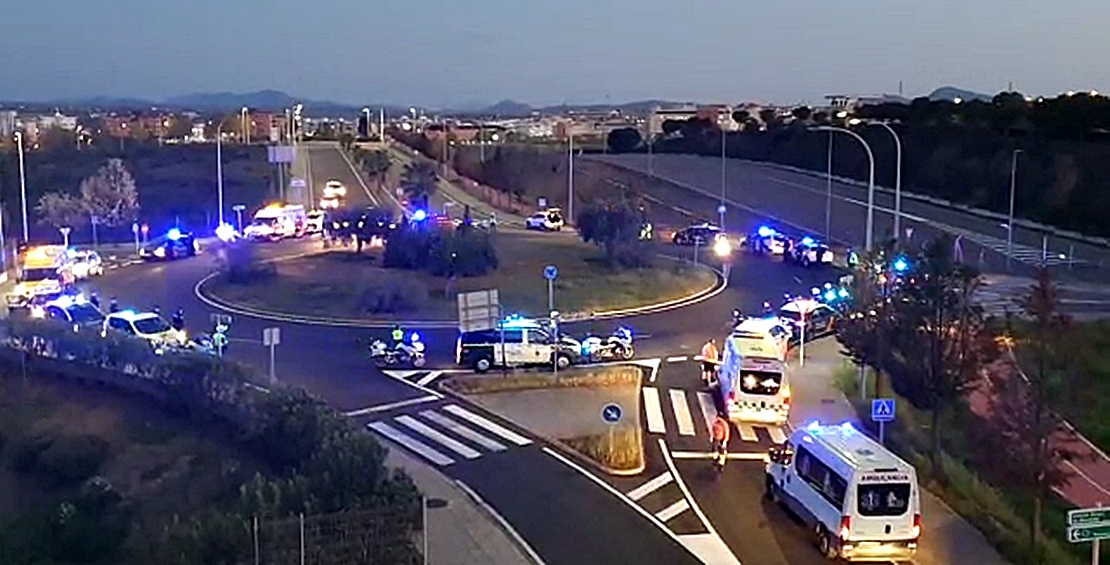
(516, 342)
(860, 500)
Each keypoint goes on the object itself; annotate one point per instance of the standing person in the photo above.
(178, 320)
(94, 299)
(113, 305)
(710, 359)
(721, 434)
(397, 335)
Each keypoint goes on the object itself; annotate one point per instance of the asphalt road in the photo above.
(798, 200)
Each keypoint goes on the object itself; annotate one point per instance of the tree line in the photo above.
(962, 152)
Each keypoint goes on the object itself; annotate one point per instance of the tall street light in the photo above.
(650, 142)
(828, 192)
(570, 175)
(721, 206)
(897, 173)
(869, 236)
(1010, 217)
(220, 170)
(22, 184)
(244, 115)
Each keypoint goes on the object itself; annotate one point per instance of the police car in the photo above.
(176, 244)
(73, 310)
(550, 219)
(768, 241)
(698, 234)
(145, 325)
(86, 264)
(516, 342)
(819, 318)
(808, 251)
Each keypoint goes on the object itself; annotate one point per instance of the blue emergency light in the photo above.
(419, 216)
(174, 234)
(765, 231)
(807, 240)
(900, 265)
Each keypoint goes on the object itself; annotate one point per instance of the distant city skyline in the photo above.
(438, 54)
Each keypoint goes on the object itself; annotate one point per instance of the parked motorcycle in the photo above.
(404, 354)
(615, 347)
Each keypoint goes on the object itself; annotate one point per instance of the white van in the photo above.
(860, 500)
(756, 388)
(767, 338)
(277, 221)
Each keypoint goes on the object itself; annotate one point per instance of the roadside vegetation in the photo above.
(980, 435)
(127, 475)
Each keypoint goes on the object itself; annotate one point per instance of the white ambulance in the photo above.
(860, 500)
(278, 221)
(756, 388)
(767, 338)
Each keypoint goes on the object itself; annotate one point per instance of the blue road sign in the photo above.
(882, 410)
(550, 272)
(612, 413)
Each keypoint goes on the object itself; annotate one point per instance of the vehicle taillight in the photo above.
(845, 527)
(916, 532)
(458, 350)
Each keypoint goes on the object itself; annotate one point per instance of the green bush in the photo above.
(71, 459)
(391, 296)
(463, 252)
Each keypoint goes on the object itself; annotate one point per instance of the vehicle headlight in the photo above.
(419, 346)
(160, 252)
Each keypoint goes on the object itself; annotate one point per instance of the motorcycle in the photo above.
(405, 353)
(617, 346)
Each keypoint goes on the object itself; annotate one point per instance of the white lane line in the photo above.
(777, 435)
(747, 432)
(487, 425)
(708, 455)
(405, 441)
(402, 377)
(682, 412)
(678, 358)
(389, 406)
(654, 411)
(463, 431)
(358, 176)
(400, 374)
(708, 549)
(650, 486)
(434, 435)
(673, 510)
(722, 548)
(708, 410)
(429, 378)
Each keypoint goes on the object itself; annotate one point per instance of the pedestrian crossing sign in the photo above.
(882, 410)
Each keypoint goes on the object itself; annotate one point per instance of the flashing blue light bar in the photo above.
(419, 216)
(813, 426)
(830, 295)
(415, 337)
(807, 240)
(900, 265)
(765, 231)
(174, 234)
(843, 293)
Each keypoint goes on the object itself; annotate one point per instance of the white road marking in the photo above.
(415, 446)
(682, 412)
(708, 548)
(400, 374)
(650, 486)
(389, 406)
(723, 550)
(747, 432)
(654, 411)
(488, 425)
(678, 358)
(673, 510)
(434, 435)
(463, 431)
(429, 378)
(501, 520)
(708, 455)
(708, 410)
(777, 435)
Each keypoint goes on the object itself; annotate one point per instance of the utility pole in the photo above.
(570, 176)
(220, 171)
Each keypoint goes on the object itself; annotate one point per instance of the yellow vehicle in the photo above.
(44, 271)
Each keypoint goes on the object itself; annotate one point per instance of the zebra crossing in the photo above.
(690, 414)
(448, 433)
(660, 496)
(1035, 256)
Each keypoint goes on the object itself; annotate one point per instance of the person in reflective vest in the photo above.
(398, 336)
(710, 359)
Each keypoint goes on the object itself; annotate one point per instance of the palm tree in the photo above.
(420, 179)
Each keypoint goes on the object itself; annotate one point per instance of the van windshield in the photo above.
(34, 275)
(760, 382)
(886, 499)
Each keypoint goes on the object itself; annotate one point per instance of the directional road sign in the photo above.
(550, 272)
(1089, 517)
(1080, 534)
(611, 413)
(478, 310)
(297, 183)
(543, 203)
(271, 336)
(882, 410)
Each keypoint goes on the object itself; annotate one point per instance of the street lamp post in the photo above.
(65, 235)
(220, 172)
(570, 176)
(897, 177)
(868, 237)
(650, 142)
(1010, 217)
(828, 192)
(22, 184)
(244, 116)
(721, 207)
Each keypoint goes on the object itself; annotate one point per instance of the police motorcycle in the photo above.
(405, 353)
(615, 347)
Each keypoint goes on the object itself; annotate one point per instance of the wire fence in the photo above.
(392, 535)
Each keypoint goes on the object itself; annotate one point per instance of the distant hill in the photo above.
(513, 109)
(951, 93)
(263, 100)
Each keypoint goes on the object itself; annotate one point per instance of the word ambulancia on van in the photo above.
(860, 500)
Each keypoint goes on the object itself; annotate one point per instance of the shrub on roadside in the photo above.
(391, 296)
(464, 252)
(72, 459)
(241, 266)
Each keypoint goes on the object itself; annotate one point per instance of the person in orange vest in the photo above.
(709, 361)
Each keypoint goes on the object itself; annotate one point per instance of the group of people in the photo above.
(720, 430)
(177, 321)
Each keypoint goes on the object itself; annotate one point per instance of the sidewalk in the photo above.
(460, 530)
(947, 538)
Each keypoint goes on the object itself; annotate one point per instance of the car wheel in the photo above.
(824, 543)
(483, 364)
(562, 361)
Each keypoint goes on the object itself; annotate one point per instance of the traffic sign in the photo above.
(721, 209)
(297, 183)
(882, 410)
(135, 228)
(1080, 534)
(611, 413)
(1089, 517)
(271, 336)
(478, 310)
(543, 203)
(550, 272)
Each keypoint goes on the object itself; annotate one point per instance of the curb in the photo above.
(562, 447)
(719, 286)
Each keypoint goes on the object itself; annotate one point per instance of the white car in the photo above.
(329, 203)
(87, 264)
(145, 325)
(314, 222)
(546, 220)
(768, 241)
(334, 189)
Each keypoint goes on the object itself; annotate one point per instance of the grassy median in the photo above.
(341, 283)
